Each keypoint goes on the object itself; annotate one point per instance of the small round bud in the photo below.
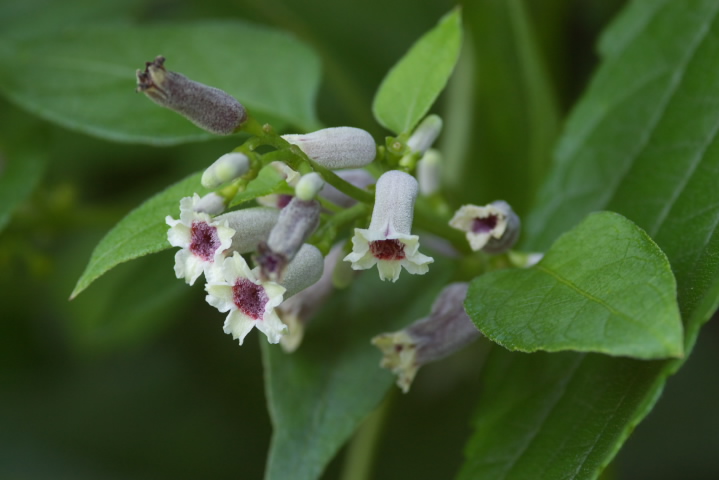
(207, 107)
(425, 134)
(338, 147)
(309, 186)
(211, 204)
(225, 169)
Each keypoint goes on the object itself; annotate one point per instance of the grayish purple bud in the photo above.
(207, 107)
(296, 222)
(211, 204)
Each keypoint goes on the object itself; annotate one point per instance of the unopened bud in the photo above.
(211, 204)
(225, 169)
(446, 330)
(295, 224)
(493, 228)
(309, 186)
(251, 226)
(338, 147)
(425, 134)
(297, 311)
(207, 107)
(428, 172)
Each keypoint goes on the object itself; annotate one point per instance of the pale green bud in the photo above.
(309, 186)
(225, 169)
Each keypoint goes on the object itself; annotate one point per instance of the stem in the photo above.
(363, 446)
(343, 186)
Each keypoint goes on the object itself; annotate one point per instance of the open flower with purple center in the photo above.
(202, 240)
(236, 289)
(493, 228)
(388, 242)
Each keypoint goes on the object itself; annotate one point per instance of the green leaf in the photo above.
(414, 83)
(84, 78)
(144, 231)
(502, 118)
(21, 168)
(603, 287)
(318, 395)
(641, 142)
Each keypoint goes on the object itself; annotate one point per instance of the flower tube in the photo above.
(388, 242)
(446, 330)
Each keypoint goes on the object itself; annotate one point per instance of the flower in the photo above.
(207, 107)
(388, 242)
(202, 240)
(493, 228)
(446, 330)
(234, 288)
(337, 147)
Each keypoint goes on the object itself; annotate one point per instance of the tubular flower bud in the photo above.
(338, 147)
(358, 177)
(207, 107)
(388, 242)
(251, 226)
(202, 240)
(428, 172)
(446, 330)
(295, 224)
(425, 134)
(211, 204)
(225, 169)
(493, 228)
(309, 186)
(297, 311)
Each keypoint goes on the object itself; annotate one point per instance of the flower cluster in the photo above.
(343, 205)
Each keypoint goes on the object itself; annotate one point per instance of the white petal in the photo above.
(220, 297)
(179, 234)
(389, 269)
(194, 267)
(477, 240)
(238, 324)
(272, 326)
(274, 293)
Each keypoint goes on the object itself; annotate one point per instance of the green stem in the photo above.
(361, 451)
(343, 186)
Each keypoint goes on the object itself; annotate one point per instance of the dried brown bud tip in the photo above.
(207, 107)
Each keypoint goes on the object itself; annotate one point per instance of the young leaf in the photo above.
(642, 142)
(318, 395)
(144, 231)
(413, 84)
(84, 78)
(603, 287)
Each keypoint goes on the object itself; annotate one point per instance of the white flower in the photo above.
(388, 242)
(236, 289)
(202, 240)
(493, 228)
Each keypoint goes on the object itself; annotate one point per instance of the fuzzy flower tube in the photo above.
(446, 330)
(388, 242)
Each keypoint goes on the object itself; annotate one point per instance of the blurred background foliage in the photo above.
(134, 378)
